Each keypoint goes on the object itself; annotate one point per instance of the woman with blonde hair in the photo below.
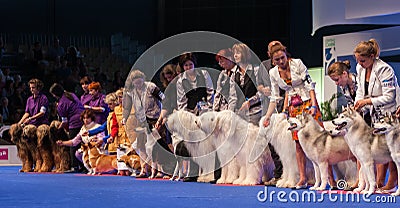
(145, 98)
(377, 93)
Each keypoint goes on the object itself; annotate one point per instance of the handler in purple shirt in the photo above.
(97, 104)
(37, 105)
(86, 96)
(69, 108)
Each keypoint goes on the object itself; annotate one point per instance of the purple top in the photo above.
(71, 110)
(86, 98)
(98, 101)
(35, 105)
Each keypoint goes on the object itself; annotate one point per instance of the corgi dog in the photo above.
(101, 163)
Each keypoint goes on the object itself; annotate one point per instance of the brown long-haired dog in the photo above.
(101, 163)
(30, 139)
(45, 147)
(61, 156)
(22, 149)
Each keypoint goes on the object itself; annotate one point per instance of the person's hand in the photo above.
(87, 106)
(266, 91)
(245, 106)
(266, 122)
(27, 120)
(159, 123)
(110, 140)
(359, 104)
(59, 143)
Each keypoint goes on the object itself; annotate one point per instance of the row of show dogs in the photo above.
(241, 149)
(243, 153)
(38, 151)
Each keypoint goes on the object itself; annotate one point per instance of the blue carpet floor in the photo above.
(79, 190)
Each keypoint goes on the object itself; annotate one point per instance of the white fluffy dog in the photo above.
(234, 139)
(279, 137)
(367, 148)
(186, 134)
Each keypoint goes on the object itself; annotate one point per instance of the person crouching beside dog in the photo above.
(117, 141)
(378, 93)
(292, 76)
(87, 117)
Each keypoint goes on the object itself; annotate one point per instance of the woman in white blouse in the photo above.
(292, 76)
(378, 93)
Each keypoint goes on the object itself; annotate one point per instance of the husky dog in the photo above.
(366, 147)
(320, 147)
(391, 128)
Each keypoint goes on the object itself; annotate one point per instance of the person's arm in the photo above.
(97, 130)
(386, 78)
(127, 106)
(72, 142)
(44, 105)
(24, 118)
(210, 88)
(114, 126)
(232, 93)
(180, 95)
(218, 94)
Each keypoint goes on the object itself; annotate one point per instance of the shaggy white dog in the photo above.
(280, 137)
(234, 139)
(200, 147)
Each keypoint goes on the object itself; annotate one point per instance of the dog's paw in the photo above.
(397, 193)
(249, 182)
(220, 181)
(313, 188)
(358, 189)
(320, 188)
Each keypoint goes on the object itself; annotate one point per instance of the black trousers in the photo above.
(277, 162)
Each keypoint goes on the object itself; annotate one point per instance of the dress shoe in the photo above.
(189, 179)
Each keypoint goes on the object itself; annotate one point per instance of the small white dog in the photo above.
(320, 147)
(366, 147)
